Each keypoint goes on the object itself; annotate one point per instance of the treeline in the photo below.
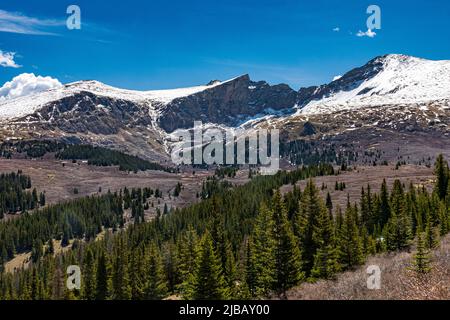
(15, 195)
(32, 148)
(99, 156)
(307, 152)
(148, 260)
(78, 219)
(227, 171)
(246, 242)
(213, 186)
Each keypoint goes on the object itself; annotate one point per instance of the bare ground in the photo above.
(398, 281)
(59, 181)
(373, 176)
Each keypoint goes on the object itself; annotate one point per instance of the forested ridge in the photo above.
(95, 155)
(245, 242)
(99, 156)
(16, 194)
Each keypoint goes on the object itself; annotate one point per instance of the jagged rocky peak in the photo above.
(385, 80)
(230, 103)
(214, 82)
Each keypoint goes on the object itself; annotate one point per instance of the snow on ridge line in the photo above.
(25, 105)
(403, 79)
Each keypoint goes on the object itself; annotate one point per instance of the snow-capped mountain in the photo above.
(415, 91)
(387, 80)
(27, 105)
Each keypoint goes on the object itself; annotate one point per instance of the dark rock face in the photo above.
(86, 112)
(229, 103)
(308, 130)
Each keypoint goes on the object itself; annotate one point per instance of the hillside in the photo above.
(398, 282)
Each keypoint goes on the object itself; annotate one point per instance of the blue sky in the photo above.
(165, 44)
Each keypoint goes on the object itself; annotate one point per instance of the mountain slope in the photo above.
(397, 93)
(387, 80)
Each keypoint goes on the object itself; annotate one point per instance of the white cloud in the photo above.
(369, 33)
(27, 84)
(7, 60)
(337, 29)
(337, 77)
(15, 22)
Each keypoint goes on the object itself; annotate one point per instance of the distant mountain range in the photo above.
(139, 121)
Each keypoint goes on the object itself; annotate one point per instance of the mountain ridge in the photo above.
(141, 122)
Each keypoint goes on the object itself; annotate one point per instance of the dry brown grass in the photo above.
(364, 175)
(398, 281)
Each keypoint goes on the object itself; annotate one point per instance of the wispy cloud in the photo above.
(337, 29)
(369, 33)
(7, 60)
(15, 22)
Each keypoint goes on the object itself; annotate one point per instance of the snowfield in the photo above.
(402, 80)
(398, 80)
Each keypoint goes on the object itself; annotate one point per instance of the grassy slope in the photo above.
(397, 281)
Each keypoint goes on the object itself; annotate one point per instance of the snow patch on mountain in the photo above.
(20, 106)
(402, 80)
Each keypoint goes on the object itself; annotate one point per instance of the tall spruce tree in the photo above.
(305, 224)
(88, 283)
(137, 274)
(349, 242)
(156, 284)
(398, 229)
(251, 274)
(207, 281)
(187, 253)
(384, 212)
(441, 171)
(326, 257)
(120, 280)
(101, 288)
(288, 266)
(422, 261)
(262, 257)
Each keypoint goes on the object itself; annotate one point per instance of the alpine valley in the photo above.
(86, 179)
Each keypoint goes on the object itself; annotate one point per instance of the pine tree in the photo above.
(431, 234)
(88, 283)
(251, 274)
(305, 223)
(441, 171)
(350, 247)
(329, 205)
(287, 254)
(398, 229)
(101, 287)
(171, 264)
(137, 282)
(262, 257)
(326, 258)
(120, 281)
(207, 281)
(384, 207)
(58, 283)
(156, 286)
(187, 253)
(422, 261)
(37, 251)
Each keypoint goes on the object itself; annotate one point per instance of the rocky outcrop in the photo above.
(230, 103)
(86, 112)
